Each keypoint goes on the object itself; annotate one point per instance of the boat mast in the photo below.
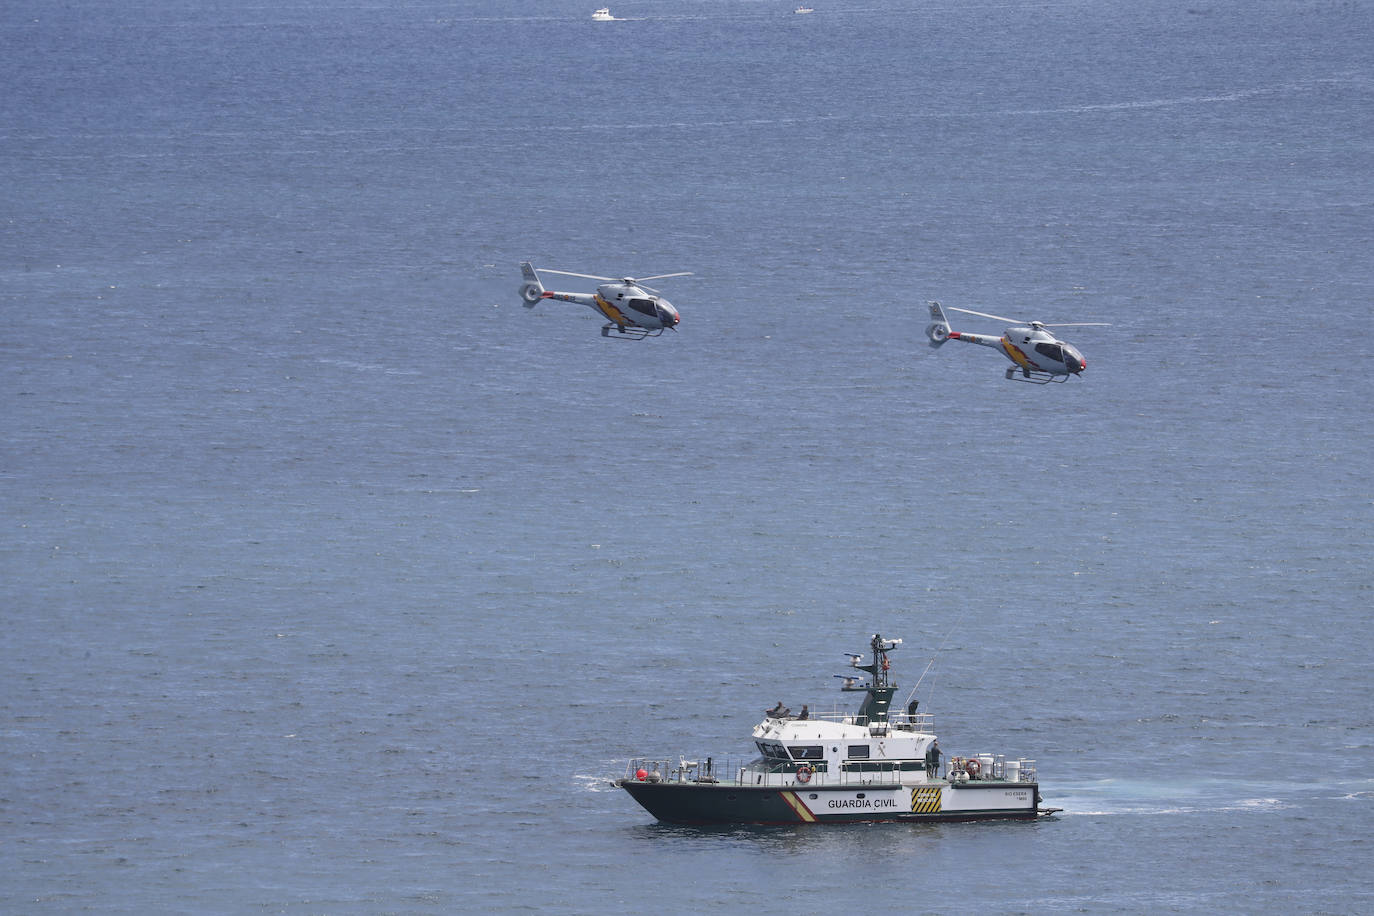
(881, 689)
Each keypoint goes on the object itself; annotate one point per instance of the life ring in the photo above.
(972, 766)
(804, 774)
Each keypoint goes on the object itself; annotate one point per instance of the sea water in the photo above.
(334, 580)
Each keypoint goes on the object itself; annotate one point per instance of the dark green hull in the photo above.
(714, 803)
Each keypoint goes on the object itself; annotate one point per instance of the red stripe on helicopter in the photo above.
(1017, 356)
(611, 312)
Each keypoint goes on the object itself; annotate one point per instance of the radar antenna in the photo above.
(880, 691)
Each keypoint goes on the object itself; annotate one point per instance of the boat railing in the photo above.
(912, 722)
(755, 772)
(897, 721)
(752, 773)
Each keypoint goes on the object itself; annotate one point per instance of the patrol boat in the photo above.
(836, 768)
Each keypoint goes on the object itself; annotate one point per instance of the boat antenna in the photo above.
(881, 688)
(934, 655)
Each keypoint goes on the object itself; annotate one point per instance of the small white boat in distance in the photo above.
(603, 15)
(805, 9)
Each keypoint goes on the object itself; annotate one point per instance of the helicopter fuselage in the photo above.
(627, 304)
(1031, 349)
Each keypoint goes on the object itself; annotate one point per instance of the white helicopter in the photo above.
(1039, 356)
(634, 310)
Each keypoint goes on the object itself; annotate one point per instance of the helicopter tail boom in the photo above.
(939, 330)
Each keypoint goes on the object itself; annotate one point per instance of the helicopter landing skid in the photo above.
(630, 332)
(1034, 376)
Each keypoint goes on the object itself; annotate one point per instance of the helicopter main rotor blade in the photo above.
(1080, 324)
(983, 315)
(685, 273)
(569, 273)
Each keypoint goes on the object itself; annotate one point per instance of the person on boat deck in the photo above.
(911, 708)
(805, 713)
(933, 760)
(777, 712)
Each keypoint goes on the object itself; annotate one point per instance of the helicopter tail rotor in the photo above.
(939, 330)
(532, 290)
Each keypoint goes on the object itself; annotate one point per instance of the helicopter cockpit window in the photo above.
(643, 306)
(1052, 350)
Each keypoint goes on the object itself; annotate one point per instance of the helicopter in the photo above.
(1040, 357)
(635, 311)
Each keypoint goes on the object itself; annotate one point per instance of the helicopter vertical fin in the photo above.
(939, 330)
(532, 290)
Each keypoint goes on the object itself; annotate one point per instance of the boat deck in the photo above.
(743, 773)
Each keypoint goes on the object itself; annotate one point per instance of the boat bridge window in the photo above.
(883, 766)
(858, 750)
(807, 752)
(772, 751)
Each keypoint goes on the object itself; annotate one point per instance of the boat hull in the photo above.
(717, 803)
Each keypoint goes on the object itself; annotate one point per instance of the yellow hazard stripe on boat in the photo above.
(798, 806)
(925, 799)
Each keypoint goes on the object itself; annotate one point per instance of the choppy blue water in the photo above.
(335, 581)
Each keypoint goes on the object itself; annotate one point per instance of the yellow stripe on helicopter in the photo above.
(610, 311)
(1016, 355)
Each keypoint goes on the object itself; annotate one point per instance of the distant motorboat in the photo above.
(805, 9)
(603, 15)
